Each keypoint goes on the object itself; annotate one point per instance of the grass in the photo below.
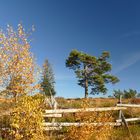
(121, 133)
(118, 133)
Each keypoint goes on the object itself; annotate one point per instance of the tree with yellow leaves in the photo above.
(18, 81)
(16, 62)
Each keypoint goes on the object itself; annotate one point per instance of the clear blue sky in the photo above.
(91, 26)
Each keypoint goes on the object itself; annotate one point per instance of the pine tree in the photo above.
(91, 71)
(48, 81)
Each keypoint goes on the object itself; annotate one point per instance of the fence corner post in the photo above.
(120, 111)
(122, 118)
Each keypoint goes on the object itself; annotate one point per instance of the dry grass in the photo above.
(88, 130)
(93, 102)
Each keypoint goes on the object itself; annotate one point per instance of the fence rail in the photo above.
(129, 120)
(57, 124)
(128, 105)
(98, 109)
(53, 115)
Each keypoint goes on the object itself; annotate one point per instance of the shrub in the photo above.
(26, 119)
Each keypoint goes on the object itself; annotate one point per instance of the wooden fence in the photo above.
(57, 113)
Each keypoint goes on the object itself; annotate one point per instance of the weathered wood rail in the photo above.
(98, 109)
(128, 105)
(129, 119)
(56, 124)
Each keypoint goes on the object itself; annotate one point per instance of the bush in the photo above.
(26, 119)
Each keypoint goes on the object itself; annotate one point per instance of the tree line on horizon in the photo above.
(126, 94)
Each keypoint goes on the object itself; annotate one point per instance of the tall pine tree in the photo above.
(91, 71)
(48, 81)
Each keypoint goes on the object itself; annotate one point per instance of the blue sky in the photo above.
(91, 26)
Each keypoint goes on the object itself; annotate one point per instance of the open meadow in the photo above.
(83, 132)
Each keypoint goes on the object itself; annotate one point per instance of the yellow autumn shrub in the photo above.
(26, 119)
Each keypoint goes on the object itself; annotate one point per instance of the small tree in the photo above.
(127, 94)
(138, 95)
(18, 81)
(130, 93)
(48, 79)
(118, 93)
(16, 63)
(91, 71)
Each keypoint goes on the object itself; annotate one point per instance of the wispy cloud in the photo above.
(130, 34)
(128, 62)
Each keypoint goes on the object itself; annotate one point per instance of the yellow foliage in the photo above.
(89, 131)
(17, 65)
(18, 79)
(26, 119)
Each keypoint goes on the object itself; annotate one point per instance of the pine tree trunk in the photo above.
(86, 88)
(86, 82)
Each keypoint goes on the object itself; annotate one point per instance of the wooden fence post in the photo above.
(120, 111)
(121, 117)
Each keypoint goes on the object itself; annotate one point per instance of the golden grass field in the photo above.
(74, 133)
